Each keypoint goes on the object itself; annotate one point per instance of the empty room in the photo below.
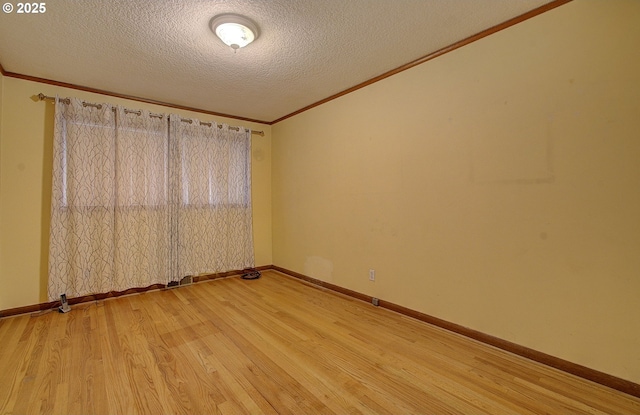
(320, 207)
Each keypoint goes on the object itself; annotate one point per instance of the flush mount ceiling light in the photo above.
(234, 30)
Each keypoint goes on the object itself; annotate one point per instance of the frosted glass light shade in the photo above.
(235, 31)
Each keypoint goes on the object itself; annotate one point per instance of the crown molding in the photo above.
(526, 16)
(125, 96)
(504, 25)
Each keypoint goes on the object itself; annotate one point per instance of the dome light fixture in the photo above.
(234, 30)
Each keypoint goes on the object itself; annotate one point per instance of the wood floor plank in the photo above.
(34, 341)
(270, 346)
(13, 355)
(280, 352)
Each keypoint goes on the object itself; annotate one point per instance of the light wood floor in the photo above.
(268, 346)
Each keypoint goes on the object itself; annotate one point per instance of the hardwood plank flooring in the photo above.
(270, 346)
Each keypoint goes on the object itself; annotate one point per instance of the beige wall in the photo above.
(2, 292)
(25, 185)
(496, 187)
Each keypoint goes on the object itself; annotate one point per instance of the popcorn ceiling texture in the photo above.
(307, 50)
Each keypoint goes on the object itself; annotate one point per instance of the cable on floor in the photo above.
(250, 274)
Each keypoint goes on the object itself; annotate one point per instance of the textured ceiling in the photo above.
(307, 50)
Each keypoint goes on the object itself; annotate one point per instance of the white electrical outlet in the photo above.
(372, 275)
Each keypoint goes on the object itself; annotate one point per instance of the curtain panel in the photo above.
(212, 168)
(141, 199)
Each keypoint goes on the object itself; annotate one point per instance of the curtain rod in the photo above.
(42, 97)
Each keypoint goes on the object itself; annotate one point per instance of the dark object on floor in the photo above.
(251, 274)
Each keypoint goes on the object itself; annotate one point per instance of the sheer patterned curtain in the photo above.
(109, 214)
(212, 172)
(142, 240)
(138, 200)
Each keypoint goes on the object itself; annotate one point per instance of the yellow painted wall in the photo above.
(2, 292)
(25, 185)
(496, 187)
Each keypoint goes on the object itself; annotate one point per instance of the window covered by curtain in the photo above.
(137, 202)
(213, 197)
